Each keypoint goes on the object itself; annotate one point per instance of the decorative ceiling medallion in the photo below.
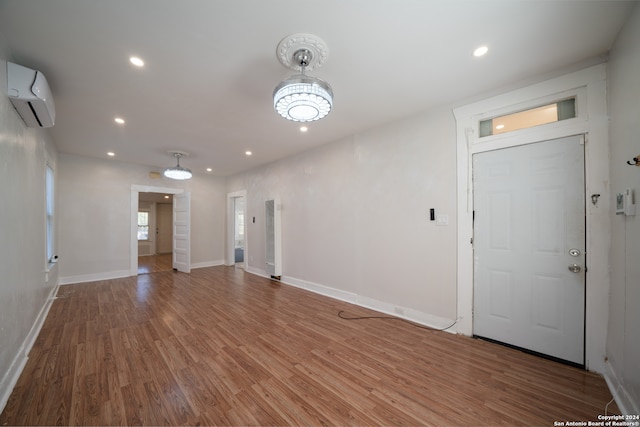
(289, 45)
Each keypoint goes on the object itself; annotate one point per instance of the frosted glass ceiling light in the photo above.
(302, 98)
(178, 172)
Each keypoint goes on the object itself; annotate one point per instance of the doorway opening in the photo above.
(155, 232)
(180, 227)
(591, 120)
(236, 229)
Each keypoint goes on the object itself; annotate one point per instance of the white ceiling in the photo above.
(211, 66)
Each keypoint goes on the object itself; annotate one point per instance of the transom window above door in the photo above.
(549, 113)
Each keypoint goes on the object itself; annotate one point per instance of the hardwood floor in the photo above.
(155, 263)
(223, 347)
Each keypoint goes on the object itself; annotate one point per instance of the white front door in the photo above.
(529, 244)
(182, 232)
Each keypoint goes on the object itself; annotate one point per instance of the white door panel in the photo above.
(182, 232)
(529, 212)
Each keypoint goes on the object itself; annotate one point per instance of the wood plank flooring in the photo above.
(223, 347)
(155, 263)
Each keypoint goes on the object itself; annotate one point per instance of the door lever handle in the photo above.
(574, 268)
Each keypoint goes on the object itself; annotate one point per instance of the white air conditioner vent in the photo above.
(29, 93)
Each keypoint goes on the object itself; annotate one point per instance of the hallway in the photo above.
(155, 263)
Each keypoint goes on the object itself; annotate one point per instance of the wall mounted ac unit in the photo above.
(29, 93)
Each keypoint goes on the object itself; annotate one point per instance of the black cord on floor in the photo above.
(341, 315)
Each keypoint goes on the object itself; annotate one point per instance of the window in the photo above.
(50, 212)
(143, 225)
(550, 113)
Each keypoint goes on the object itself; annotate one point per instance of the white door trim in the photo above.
(230, 258)
(133, 233)
(589, 85)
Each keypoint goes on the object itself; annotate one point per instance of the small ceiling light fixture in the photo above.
(303, 128)
(302, 98)
(481, 51)
(178, 172)
(110, 153)
(209, 170)
(119, 120)
(136, 61)
(248, 153)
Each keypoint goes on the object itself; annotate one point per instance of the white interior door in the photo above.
(182, 232)
(273, 238)
(529, 244)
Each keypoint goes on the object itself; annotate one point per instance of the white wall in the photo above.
(355, 217)
(25, 290)
(623, 338)
(95, 216)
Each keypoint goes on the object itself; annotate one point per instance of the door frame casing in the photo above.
(135, 192)
(589, 87)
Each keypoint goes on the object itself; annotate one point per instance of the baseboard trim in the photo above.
(83, 278)
(412, 315)
(415, 316)
(118, 274)
(327, 291)
(207, 264)
(620, 395)
(10, 379)
(257, 272)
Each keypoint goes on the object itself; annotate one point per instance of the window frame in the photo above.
(147, 212)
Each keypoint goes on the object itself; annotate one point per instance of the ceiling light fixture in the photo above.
(303, 128)
(178, 172)
(119, 120)
(302, 98)
(481, 51)
(136, 61)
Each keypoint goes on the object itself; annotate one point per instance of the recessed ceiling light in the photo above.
(136, 61)
(248, 153)
(209, 169)
(119, 120)
(167, 197)
(500, 127)
(111, 153)
(303, 128)
(481, 51)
